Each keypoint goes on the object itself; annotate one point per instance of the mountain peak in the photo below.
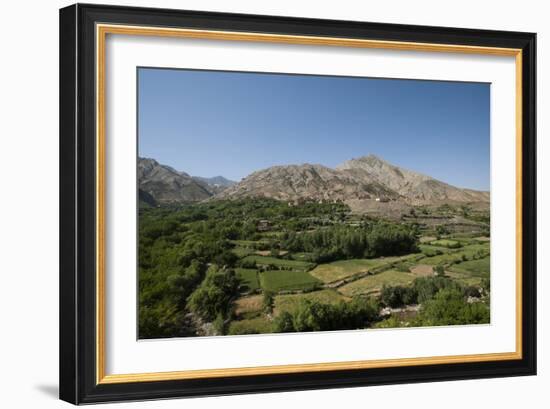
(372, 159)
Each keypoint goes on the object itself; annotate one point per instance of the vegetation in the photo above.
(257, 265)
(284, 280)
(315, 316)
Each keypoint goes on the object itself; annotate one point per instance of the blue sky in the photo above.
(210, 123)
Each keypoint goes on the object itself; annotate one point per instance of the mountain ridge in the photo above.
(364, 179)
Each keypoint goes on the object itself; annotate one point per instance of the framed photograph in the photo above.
(257, 203)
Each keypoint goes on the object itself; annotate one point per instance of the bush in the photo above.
(215, 295)
(315, 316)
(398, 296)
(449, 307)
(427, 287)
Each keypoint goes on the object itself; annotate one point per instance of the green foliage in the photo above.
(278, 263)
(178, 242)
(449, 307)
(421, 290)
(441, 230)
(268, 302)
(451, 244)
(439, 270)
(427, 287)
(371, 240)
(315, 316)
(391, 322)
(215, 295)
(163, 294)
(398, 296)
(284, 322)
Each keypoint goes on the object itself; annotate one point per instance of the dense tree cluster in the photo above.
(373, 239)
(448, 307)
(421, 290)
(443, 302)
(316, 316)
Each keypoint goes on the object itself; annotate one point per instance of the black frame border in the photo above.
(78, 210)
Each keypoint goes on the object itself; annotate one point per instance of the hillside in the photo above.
(366, 183)
(166, 185)
(368, 178)
(415, 187)
(306, 182)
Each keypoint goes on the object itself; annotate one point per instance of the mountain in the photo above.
(415, 187)
(215, 184)
(364, 182)
(218, 181)
(368, 178)
(164, 184)
(311, 182)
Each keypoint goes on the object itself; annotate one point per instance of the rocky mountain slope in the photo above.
(311, 182)
(364, 180)
(414, 187)
(165, 184)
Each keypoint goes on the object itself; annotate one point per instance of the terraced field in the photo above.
(471, 272)
(289, 302)
(249, 278)
(279, 262)
(373, 284)
(285, 280)
(249, 306)
(258, 325)
(339, 270)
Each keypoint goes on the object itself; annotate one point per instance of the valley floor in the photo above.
(444, 278)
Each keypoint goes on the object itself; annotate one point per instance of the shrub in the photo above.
(449, 307)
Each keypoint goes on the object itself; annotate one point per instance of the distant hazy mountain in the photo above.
(365, 178)
(216, 181)
(215, 184)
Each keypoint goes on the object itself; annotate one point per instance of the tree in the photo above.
(284, 323)
(398, 296)
(315, 316)
(227, 259)
(441, 231)
(215, 294)
(268, 302)
(449, 307)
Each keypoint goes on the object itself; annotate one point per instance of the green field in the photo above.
(289, 302)
(339, 270)
(284, 280)
(242, 251)
(374, 283)
(301, 256)
(258, 325)
(474, 268)
(431, 251)
(452, 244)
(279, 262)
(252, 244)
(249, 278)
